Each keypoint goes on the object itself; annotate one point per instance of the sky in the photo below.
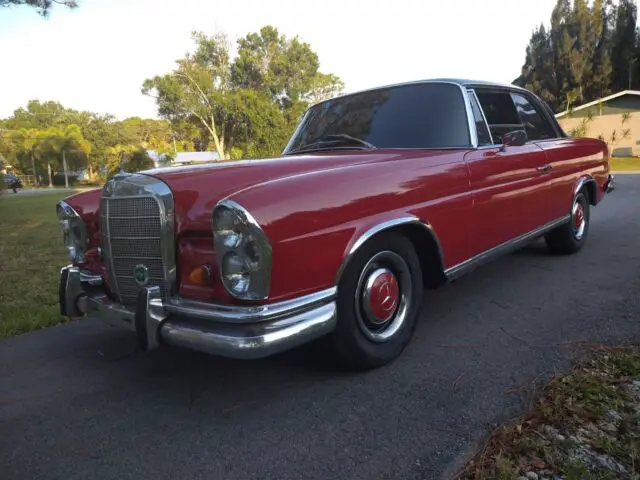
(96, 57)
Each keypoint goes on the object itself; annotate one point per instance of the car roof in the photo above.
(465, 83)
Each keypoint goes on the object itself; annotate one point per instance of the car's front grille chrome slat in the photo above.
(136, 225)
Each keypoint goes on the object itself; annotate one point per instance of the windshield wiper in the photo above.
(344, 136)
(334, 141)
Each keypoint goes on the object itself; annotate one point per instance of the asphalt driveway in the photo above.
(79, 401)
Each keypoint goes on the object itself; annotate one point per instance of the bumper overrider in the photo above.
(224, 330)
(610, 184)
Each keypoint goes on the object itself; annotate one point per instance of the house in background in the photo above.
(615, 118)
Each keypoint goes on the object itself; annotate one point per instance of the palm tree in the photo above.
(65, 142)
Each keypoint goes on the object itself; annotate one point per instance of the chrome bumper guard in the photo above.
(610, 185)
(224, 330)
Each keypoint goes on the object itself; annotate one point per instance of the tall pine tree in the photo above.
(590, 50)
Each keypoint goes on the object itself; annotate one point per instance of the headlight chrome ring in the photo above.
(74, 231)
(243, 251)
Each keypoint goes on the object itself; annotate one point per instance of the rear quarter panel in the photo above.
(573, 159)
(313, 219)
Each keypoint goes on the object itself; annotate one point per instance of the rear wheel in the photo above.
(570, 237)
(379, 297)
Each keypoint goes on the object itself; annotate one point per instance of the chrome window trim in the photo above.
(245, 216)
(138, 185)
(471, 123)
(472, 92)
(533, 99)
(471, 128)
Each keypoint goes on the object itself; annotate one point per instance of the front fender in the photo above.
(315, 221)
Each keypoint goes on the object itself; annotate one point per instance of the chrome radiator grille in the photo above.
(135, 239)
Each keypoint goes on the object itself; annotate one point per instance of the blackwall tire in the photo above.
(570, 237)
(379, 298)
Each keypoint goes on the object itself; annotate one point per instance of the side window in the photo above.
(500, 112)
(535, 123)
(484, 137)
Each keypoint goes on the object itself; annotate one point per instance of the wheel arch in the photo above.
(423, 238)
(589, 184)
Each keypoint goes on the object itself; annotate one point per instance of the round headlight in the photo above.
(244, 253)
(74, 236)
(236, 273)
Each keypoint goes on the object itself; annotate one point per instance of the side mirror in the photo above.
(516, 138)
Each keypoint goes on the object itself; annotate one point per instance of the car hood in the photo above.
(197, 188)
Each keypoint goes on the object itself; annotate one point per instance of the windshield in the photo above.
(423, 115)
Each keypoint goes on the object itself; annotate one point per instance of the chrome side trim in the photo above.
(461, 268)
(407, 220)
(244, 314)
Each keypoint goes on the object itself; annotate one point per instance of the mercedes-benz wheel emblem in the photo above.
(388, 301)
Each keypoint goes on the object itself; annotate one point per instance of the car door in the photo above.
(509, 183)
(569, 159)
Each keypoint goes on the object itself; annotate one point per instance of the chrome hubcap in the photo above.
(579, 220)
(383, 296)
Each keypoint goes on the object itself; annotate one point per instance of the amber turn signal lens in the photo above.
(201, 275)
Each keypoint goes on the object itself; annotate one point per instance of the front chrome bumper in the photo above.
(228, 331)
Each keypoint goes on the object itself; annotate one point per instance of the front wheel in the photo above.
(379, 297)
(570, 237)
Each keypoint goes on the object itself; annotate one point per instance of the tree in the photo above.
(578, 58)
(43, 7)
(243, 106)
(624, 45)
(286, 69)
(25, 141)
(101, 131)
(63, 148)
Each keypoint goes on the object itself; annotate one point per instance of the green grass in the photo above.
(625, 164)
(31, 254)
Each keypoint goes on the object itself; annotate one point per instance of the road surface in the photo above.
(79, 401)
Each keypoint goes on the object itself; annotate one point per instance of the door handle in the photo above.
(544, 168)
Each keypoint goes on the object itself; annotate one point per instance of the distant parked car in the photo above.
(378, 195)
(12, 182)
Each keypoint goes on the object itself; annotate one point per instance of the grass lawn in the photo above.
(583, 425)
(31, 254)
(625, 164)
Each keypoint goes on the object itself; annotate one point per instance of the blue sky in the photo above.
(97, 56)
